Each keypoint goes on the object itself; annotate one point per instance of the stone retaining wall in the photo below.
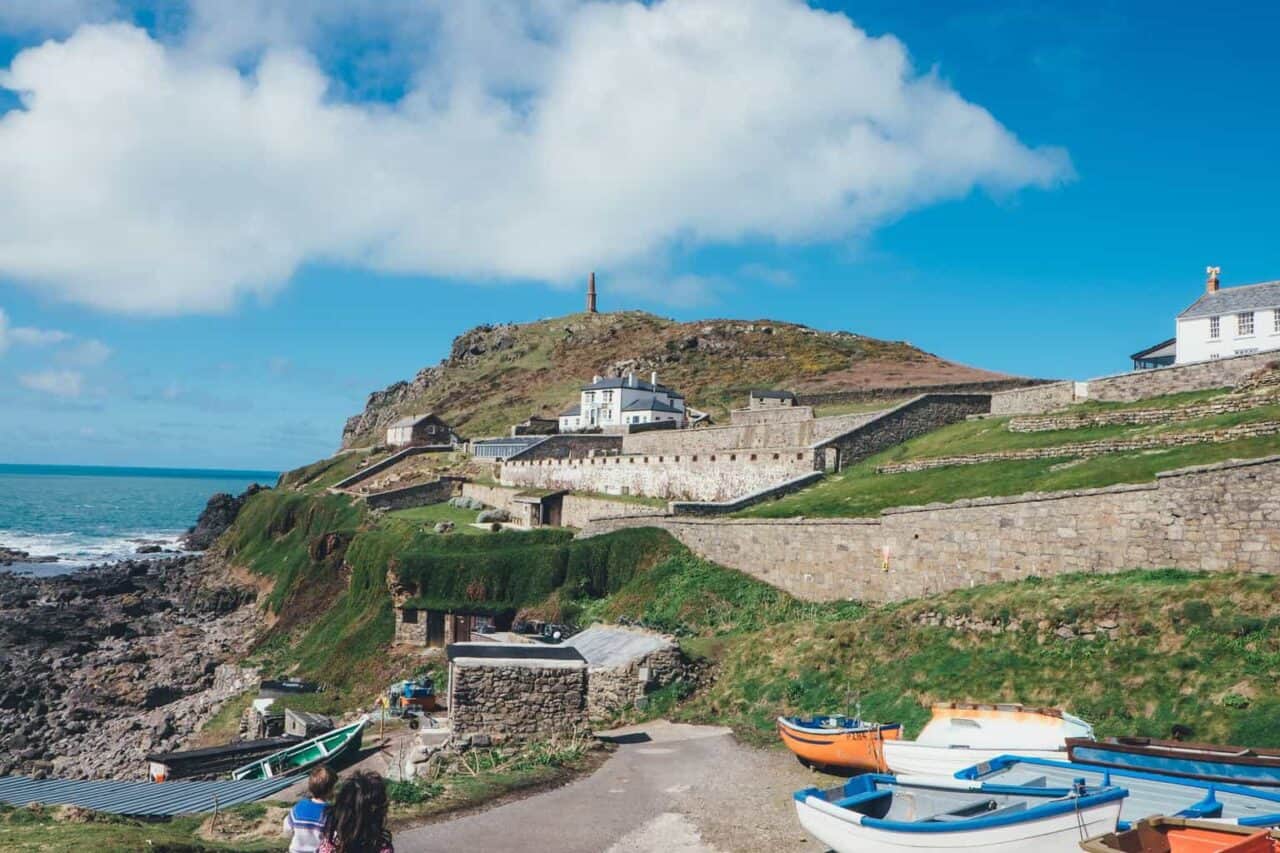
(756, 435)
(1090, 448)
(1200, 376)
(580, 510)
(698, 475)
(380, 466)
(570, 446)
(419, 495)
(612, 690)
(901, 423)
(516, 702)
(1216, 517)
(743, 501)
(494, 496)
(868, 395)
(1137, 417)
(1034, 400)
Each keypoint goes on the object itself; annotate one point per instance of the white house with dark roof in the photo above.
(1227, 321)
(612, 404)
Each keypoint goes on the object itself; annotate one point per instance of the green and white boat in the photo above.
(305, 755)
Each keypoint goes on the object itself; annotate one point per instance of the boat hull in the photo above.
(908, 758)
(839, 751)
(1208, 763)
(319, 750)
(1174, 835)
(1053, 834)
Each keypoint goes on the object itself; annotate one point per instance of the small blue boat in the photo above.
(877, 813)
(1207, 762)
(1149, 793)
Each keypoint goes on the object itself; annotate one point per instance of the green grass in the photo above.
(1166, 401)
(48, 830)
(859, 491)
(1200, 650)
(426, 517)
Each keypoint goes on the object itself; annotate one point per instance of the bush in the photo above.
(490, 515)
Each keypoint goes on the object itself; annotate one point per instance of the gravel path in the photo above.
(669, 788)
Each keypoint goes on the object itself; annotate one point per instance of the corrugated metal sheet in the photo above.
(141, 799)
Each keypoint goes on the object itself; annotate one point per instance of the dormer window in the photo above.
(1215, 328)
(1244, 323)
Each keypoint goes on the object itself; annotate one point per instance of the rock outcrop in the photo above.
(102, 666)
(218, 515)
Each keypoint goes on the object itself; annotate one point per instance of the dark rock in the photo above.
(148, 549)
(218, 515)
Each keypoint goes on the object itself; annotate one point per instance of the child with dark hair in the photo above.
(357, 822)
(305, 821)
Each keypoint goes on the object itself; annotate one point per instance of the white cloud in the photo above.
(87, 353)
(37, 337)
(59, 383)
(156, 178)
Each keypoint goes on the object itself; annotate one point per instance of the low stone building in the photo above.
(770, 399)
(625, 665)
(509, 694)
(435, 625)
(421, 429)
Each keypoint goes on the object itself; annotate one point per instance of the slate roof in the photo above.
(607, 646)
(572, 412)
(1160, 350)
(652, 405)
(1232, 300)
(412, 420)
(773, 395)
(636, 385)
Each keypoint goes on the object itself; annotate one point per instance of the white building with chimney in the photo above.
(613, 404)
(1227, 321)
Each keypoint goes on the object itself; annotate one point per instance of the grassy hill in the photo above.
(497, 375)
(860, 490)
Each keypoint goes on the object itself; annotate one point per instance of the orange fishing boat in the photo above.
(837, 743)
(1175, 835)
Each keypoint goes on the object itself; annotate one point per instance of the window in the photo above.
(1244, 323)
(1215, 328)
(1276, 319)
(409, 616)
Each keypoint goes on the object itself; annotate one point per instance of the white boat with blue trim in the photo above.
(962, 734)
(875, 813)
(1150, 794)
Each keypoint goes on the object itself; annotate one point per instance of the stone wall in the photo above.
(571, 446)
(612, 690)
(1138, 417)
(494, 496)
(768, 433)
(1216, 517)
(897, 392)
(579, 510)
(1091, 448)
(770, 415)
(696, 475)
(382, 465)
(913, 418)
(517, 701)
(419, 495)
(1034, 400)
(743, 501)
(1200, 376)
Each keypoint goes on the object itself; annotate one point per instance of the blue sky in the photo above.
(1141, 147)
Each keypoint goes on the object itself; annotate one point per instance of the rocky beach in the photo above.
(104, 665)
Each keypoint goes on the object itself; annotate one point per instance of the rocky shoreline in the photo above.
(101, 666)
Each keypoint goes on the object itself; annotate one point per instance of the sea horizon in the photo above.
(93, 514)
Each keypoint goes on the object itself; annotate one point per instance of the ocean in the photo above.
(91, 514)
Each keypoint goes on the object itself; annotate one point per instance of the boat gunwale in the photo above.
(264, 763)
(1216, 753)
(1058, 801)
(788, 725)
(1099, 844)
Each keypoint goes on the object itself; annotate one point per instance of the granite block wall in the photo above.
(419, 495)
(517, 702)
(913, 418)
(1217, 517)
(1200, 376)
(1034, 400)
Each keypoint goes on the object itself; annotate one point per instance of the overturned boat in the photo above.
(1149, 793)
(319, 750)
(1175, 835)
(961, 734)
(876, 813)
(837, 743)
(210, 761)
(1239, 765)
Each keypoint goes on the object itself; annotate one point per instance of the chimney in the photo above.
(653, 379)
(591, 294)
(1211, 282)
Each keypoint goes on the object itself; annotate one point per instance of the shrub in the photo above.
(489, 515)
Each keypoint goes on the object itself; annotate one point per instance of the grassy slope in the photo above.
(860, 491)
(540, 366)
